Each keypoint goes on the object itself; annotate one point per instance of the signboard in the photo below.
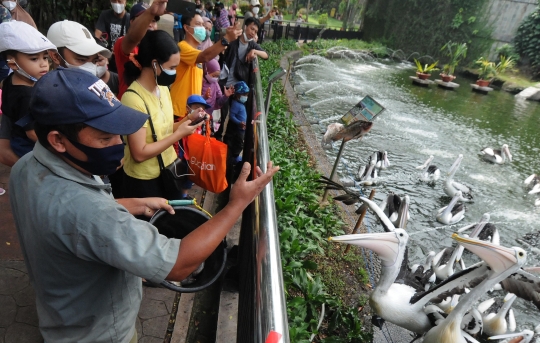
(332, 12)
(367, 109)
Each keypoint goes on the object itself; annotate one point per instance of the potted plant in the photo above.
(486, 70)
(456, 52)
(424, 72)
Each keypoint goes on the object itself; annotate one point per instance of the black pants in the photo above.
(219, 134)
(137, 188)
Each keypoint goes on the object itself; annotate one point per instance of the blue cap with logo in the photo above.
(241, 88)
(73, 96)
(138, 9)
(197, 99)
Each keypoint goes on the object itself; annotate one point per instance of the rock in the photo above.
(511, 87)
(530, 93)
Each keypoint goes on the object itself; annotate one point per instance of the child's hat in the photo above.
(197, 99)
(21, 37)
(241, 88)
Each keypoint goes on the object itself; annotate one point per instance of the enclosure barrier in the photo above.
(262, 312)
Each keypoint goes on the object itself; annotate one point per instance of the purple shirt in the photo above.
(222, 22)
(213, 96)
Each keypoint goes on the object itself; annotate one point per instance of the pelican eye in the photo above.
(401, 234)
(520, 254)
(488, 268)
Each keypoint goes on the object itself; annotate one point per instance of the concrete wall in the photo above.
(505, 16)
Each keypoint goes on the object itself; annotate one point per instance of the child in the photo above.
(212, 92)
(26, 52)
(236, 128)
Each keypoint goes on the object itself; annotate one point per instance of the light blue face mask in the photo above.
(243, 98)
(199, 33)
(22, 72)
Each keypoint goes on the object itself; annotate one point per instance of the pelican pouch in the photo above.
(174, 175)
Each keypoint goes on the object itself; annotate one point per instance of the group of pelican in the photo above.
(439, 299)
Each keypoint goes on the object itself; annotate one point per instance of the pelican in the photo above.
(443, 263)
(526, 335)
(426, 268)
(495, 322)
(391, 206)
(488, 233)
(502, 263)
(331, 131)
(451, 187)
(382, 160)
(368, 174)
(533, 183)
(472, 322)
(430, 172)
(452, 213)
(537, 202)
(496, 156)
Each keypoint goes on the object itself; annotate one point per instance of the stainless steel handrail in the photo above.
(270, 306)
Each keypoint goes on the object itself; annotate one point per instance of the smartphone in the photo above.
(197, 121)
(181, 7)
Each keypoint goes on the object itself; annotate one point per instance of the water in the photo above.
(419, 122)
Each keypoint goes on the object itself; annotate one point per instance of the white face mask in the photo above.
(246, 38)
(10, 5)
(87, 67)
(101, 70)
(118, 8)
(255, 10)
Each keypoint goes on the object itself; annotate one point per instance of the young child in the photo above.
(26, 52)
(212, 92)
(236, 128)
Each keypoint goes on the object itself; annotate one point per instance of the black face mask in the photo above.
(101, 161)
(165, 78)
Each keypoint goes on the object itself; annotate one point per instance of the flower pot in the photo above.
(423, 76)
(447, 78)
(483, 83)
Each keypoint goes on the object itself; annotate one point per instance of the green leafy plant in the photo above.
(303, 225)
(505, 63)
(509, 51)
(323, 19)
(527, 41)
(426, 68)
(455, 52)
(486, 69)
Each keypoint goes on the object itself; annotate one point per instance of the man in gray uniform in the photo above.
(85, 252)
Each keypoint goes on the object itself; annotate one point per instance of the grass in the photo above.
(517, 78)
(312, 19)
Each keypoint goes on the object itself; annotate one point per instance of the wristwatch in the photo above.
(224, 42)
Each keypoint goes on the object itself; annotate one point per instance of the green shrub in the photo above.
(323, 19)
(508, 51)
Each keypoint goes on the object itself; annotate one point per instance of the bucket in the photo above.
(179, 225)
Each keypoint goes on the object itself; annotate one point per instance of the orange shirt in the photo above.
(189, 77)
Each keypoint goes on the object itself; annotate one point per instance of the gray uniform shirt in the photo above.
(84, 252)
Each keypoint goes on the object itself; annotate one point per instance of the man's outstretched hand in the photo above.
(243, 192)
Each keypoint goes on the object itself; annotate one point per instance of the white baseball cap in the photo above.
(19, 36)
(76, 38)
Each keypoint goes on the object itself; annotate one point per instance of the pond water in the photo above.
(419, 122)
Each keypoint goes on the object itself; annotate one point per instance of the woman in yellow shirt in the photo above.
(149, 73)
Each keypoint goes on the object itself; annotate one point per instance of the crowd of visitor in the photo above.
(90, 118)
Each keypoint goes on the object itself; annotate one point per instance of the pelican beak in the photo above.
(509, 335)
(507, 152)
(532, 270)
(403, 212)
(497, 257)
(455, 166)
(385, 244)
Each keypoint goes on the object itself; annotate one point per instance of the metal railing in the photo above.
(262, 309)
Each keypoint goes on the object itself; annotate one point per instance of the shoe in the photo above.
(2, 191)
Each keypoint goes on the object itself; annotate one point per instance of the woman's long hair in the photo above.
(155, 45)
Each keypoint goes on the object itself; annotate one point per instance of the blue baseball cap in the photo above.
(138, 9)
(241, 88)
(197, 99)
(72, 96)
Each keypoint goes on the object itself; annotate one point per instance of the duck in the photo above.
(430, 172)
(497, 156)
(451, 187)
(453, 213)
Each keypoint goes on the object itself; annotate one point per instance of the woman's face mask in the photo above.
(256, 10)
(10, 5)
(166, 78)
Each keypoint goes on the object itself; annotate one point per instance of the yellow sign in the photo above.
(333, 12)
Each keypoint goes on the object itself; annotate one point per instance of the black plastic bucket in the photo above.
(179, 225)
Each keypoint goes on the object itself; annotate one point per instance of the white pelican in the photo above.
(367, 175)
(488, 233)
(496, 156)
(495, 322)
(451, 187)
(502, 263)
(382, 160)
(526, 337)
(430, 172)
(331, 132)
(391, 206)
(532, 181)
(452, 213)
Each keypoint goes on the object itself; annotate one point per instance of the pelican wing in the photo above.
(455, 284)
(347, 199)
(524, 285)
(417, 280)
(488, 151)
(464, 189)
